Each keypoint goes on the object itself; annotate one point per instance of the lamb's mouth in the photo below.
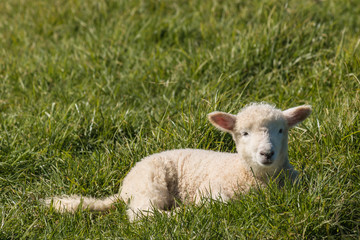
(266, 163)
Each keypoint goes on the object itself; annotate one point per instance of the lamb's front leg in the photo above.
(291, 174)
(211, 191)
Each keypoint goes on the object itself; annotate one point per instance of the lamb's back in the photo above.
(186, 171)
(192, 170)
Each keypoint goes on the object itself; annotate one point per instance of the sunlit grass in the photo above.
(88, 88)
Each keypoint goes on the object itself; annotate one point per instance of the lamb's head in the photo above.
(260, 132)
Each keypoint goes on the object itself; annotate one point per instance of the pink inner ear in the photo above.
(224, 121)
(296, 115)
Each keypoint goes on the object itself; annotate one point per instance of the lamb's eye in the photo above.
(280, 131)
(245, 133)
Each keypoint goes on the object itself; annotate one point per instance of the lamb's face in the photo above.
(260, 134)
(263, 143)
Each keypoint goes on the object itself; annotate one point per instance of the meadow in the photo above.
(89, 88)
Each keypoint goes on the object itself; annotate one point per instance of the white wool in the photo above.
(260, 132)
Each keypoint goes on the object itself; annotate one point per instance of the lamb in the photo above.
(260, 132)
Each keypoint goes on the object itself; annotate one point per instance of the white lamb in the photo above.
(260, 132)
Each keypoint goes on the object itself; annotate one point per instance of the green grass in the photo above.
(88, 88)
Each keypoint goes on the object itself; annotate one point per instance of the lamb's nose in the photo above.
(267, 154)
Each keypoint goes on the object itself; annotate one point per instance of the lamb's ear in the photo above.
(223, 121)
(296, 115)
